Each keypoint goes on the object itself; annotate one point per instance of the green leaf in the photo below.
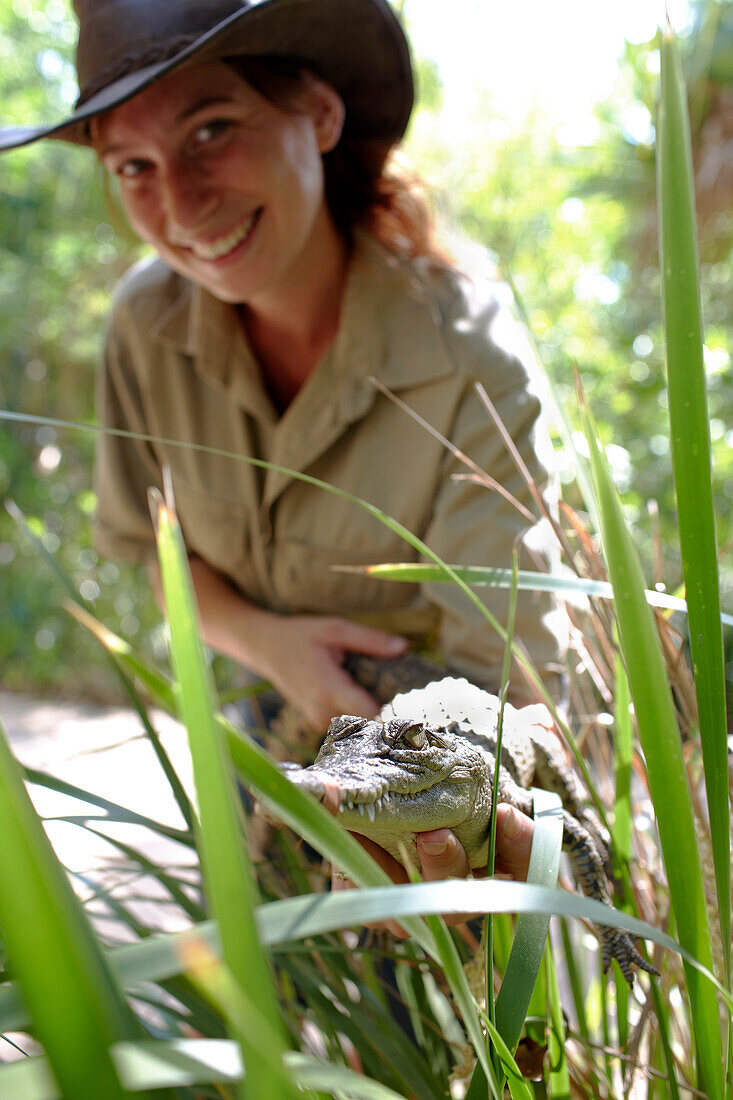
(481, 576)
(623, 752)
(280, 922)
(528, 948)
(228, 879)
(78, 1009)
(177, 1063)
(691, 455)
(559, 1084)
(518, 1087)
(660, 740)
(531, 935)
(337, 1080)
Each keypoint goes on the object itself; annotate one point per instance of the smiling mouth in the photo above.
(221, 247)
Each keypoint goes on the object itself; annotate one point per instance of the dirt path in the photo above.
(104, 750)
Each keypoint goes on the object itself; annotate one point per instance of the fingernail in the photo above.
(434, 847)
(396, 644)
(512, 826)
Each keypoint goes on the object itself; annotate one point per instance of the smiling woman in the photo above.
(228, 187)
(251, 145)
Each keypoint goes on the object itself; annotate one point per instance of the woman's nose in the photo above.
(189, 201)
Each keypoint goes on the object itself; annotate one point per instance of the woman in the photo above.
(249, 143)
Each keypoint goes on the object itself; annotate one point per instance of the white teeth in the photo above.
(220, 247)
(370, 810)
(360, 808)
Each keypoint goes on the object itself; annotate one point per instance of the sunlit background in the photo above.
(532, 57)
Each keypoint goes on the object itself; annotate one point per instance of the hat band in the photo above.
(130, 63)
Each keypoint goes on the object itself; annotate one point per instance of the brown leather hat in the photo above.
(125, 45)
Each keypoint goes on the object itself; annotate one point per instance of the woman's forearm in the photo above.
(302, 655)
(230, 624)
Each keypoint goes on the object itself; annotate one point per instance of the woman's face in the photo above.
(224, 184)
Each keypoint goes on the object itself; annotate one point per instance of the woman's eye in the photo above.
(131, 169)
(209, 131)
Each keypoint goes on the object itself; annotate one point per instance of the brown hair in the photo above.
(366, 185)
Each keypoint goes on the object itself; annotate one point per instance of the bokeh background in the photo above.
(535, 133)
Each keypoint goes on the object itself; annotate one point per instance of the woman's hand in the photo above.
(442, 857)
(302, 656)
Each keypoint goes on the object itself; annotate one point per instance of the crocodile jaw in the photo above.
(393, 819)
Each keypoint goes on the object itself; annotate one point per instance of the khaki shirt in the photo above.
(178, 366)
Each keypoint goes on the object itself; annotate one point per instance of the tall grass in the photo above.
(268, 997)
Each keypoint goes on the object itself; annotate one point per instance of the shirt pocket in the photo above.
(219, 532)
(306, 581)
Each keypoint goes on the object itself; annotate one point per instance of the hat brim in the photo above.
(356, 45)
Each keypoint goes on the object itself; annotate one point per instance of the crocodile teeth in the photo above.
(360, 808)
(385, 798)
(370, 810)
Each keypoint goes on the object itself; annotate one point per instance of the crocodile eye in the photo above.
(414, 736)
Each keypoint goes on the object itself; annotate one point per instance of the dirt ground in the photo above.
(105, 751)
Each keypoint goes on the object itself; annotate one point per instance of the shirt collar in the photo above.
(209, 331)
(390, 327)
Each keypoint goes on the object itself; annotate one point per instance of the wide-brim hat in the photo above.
(124, 46)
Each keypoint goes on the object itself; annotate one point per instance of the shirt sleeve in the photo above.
(125, 468)
(475, 525)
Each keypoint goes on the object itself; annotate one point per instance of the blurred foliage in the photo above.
(574, 228)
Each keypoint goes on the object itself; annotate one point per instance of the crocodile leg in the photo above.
(553, 773)
(588, 868)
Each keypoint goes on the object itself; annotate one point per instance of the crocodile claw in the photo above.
(620, 946)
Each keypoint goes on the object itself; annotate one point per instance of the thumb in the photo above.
(514, 834)
(441, 855)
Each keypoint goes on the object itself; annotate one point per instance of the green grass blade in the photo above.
(282, 922)
(531, 935)
(177, 1063)
(559, 1083)
(491, 857)
(337, 1080)
(229, 882)
(518, 1087)
(691, 454)
(455, 975)
(660, 740)
(623, 752)
(483, 576)
(525, 959)
(76, 1005)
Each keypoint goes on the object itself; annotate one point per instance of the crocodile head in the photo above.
(397, 778)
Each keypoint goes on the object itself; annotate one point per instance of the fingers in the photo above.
(348, 697)
(514, 833)
(441, 856)
(340, 881)
(361, 639)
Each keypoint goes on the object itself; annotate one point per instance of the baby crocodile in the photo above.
(428, 762)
